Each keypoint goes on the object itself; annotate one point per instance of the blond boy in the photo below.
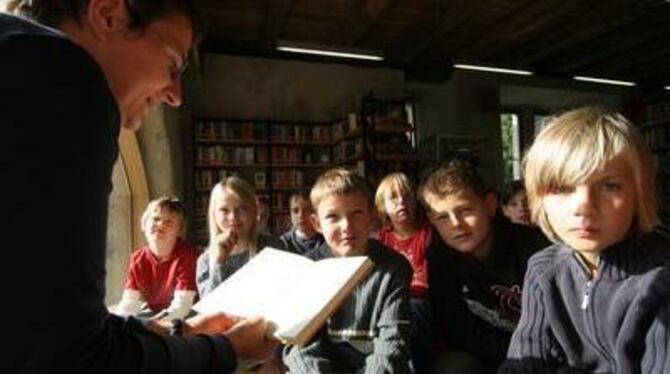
(598, 299)
(161, 275)
(370, 331)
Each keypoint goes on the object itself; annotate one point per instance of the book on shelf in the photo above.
(294, 293)
(260, 179)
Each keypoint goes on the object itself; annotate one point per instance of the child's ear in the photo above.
(315, 222)
(491, 203)
(107, 17)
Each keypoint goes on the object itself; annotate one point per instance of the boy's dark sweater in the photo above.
(615, 322)
(296, 244)
(476, 305)
(370, 331)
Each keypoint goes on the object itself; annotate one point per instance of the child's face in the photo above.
(399, 205)
(591, 216)
(234, 214)
(517, 210)
(345, 222)
(301, 214)
(162, 226)
(463, 220)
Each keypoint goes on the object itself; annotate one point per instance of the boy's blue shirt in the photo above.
(615, 322)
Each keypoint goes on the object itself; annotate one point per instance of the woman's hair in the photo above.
(245, 192)
(169, 204)
(142, 12)
(338, 181)
(403, 184)
(579, 143)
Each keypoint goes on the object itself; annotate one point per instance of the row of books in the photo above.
(282, 179)
(216, 130)
(222, 155)
(348, 150)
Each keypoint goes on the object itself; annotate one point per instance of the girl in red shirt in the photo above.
(405, 230)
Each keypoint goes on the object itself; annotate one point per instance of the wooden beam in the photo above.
(591, 25)
(522, 23)
(447, 15)
(363, 16)
(654, 68)
(276, 15)
(621, 53)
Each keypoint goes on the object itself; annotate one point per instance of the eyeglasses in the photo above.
(178, 62)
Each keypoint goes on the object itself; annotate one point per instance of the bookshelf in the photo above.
(655, 126)
(389, 137)
(276, 157)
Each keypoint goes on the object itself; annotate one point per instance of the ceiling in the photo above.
(616, 39)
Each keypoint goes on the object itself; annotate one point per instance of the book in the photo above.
(292, 292)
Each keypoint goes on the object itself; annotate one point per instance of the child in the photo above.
(476, 270)
(302, 237)
(515, 203)
(405, 230)
(597, 300)
(370, 331)
(162, 273)
(262, 217)
(233, 237)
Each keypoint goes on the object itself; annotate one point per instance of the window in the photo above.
(511, 146)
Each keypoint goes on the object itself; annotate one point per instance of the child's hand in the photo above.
(225, 241)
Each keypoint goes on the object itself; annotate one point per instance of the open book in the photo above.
(296, 294)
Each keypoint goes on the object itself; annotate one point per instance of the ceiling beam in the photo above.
(522, 23)
(277, 13)
(363, 16)
(653, 67)
(446, 16)
(615, 60)
(590, 26)
(614, 45)
(635, 58)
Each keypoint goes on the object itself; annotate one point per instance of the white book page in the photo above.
(305, 299)
(257, 288)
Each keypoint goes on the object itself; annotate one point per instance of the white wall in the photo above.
(466, 105)
(242, 87)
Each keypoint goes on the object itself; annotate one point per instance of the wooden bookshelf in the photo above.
(276, 157)
(655, 126)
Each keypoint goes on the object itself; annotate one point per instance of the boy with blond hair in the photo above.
(597, 300)
(162, 273)
(476, 270)
(370, 332)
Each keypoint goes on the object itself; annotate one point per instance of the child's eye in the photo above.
(559, 190)
(611, 186)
